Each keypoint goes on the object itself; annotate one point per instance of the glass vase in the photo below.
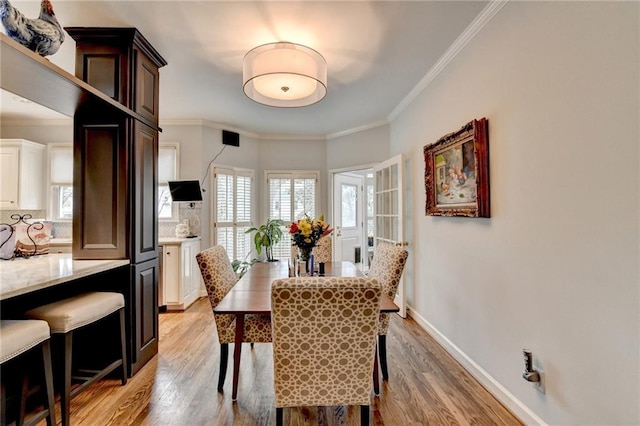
(304, 256)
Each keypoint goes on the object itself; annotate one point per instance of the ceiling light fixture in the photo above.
(284, 75)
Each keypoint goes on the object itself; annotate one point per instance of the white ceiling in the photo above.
(376, 52)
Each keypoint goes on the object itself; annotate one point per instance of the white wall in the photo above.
(556, 267)
(365, 147)
(291, 155)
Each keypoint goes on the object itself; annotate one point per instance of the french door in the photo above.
(389, 212)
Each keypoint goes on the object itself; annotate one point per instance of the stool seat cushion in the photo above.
(18, 336)
(69, 314)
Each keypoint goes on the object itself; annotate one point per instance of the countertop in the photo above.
(21, 276)
(175, 240)
(55, 242)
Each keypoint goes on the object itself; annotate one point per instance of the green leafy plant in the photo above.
(240, 267)
(267, 235)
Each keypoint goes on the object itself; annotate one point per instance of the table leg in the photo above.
(236, 354)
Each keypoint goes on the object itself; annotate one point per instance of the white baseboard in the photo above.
(493, 386)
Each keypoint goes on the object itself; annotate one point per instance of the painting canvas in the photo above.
(457, 173)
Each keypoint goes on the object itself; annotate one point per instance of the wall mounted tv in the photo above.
(185, 190)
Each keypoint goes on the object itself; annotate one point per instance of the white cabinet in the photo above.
(180, 279)
(22, 175)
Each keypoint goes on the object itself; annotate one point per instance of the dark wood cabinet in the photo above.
(143, 311)
(116, 162)
(144, 156)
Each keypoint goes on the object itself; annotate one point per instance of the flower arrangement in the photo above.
(306, 232)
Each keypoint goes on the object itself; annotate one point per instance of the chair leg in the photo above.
(376, 377)
(123, 347)
(382, 351)
(224, 357)
(279, 416)
(364, 415)
(65, 394)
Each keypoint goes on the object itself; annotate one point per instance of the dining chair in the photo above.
(387, 266)
(322, 252)
(219, 278)
(324, 341)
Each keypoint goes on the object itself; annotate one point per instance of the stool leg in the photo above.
(48, 380)
(65, 394)
(24, 394)
(123, 346)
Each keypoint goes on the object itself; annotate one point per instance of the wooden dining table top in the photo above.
(252, 293)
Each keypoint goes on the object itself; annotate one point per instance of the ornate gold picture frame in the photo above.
(456, 174)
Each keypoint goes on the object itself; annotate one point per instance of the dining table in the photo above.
(252, 295)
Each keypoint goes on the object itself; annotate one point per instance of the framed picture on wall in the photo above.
(456, 174)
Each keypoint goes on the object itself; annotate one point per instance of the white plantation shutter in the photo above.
(61, 165)
(291, 196)
(167, 171)
(232, 211)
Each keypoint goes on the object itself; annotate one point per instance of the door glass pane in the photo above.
(394, 176)
(349, 197)
(385, 179)
(394, 202)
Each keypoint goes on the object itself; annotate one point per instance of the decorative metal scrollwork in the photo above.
(9, 227)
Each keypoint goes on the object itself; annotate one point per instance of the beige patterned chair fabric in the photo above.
(324, 340)
(219, 278)
(387, 266)
(322, 252)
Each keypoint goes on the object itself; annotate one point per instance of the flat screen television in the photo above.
(185, 190)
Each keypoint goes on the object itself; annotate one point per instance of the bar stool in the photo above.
(68, 315)
(16, 338)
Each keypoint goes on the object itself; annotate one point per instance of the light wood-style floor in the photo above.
(178, 387)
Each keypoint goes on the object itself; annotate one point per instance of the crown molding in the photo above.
(358, 129)
(467, 35)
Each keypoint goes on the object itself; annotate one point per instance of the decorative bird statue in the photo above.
(43, 35)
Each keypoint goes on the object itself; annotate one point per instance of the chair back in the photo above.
(387, 266)
(219, 278)
(324, 340)
(322, 252)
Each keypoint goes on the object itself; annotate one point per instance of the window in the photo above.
(61, 181)
(291, 196)
(233, 208)
(167, 171)
(349, 197)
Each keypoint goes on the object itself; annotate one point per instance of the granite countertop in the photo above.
(22, 275)
(162, 240)
(175, 240)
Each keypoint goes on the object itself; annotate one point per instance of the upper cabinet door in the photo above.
(146, 87)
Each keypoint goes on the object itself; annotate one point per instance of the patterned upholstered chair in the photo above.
(322, 252)
(324, 340)
(219, 278)
(387, 266)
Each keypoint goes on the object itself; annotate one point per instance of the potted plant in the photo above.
(266, 236)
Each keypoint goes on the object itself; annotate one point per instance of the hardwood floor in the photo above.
(178, 386)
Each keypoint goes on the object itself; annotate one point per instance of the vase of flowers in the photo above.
(305, 234)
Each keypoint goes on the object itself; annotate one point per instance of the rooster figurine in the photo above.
(43, 35)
